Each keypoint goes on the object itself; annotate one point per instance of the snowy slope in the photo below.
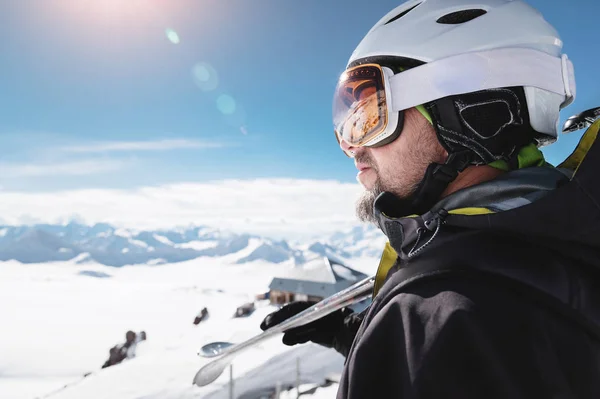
(65, 304)
(64, 316)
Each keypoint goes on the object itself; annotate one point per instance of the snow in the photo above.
(321, 393)
(343, 272)
(162, 239)
(274, 253)
(64, 316)
(139, 243)
(314, 270)
(123, 233)
(198, 245)
(157, 261)
(82, 257)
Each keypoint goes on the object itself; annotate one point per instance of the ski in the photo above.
(226, 352)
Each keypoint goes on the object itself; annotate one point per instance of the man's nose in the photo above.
(347, 148)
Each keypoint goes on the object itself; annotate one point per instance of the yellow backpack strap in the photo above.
(388, 259)
(471, 211)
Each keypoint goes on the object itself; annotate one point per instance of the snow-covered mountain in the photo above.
(111, 246)
(360, 241)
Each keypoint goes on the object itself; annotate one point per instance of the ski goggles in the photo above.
(369, 98)
(360, 106)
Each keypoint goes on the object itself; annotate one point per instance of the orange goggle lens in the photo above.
(359, 106)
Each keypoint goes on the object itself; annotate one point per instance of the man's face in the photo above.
(397, 167)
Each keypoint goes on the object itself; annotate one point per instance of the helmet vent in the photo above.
(460, 17)
(403, 13)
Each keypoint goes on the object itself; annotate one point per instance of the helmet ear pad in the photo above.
(491, 124)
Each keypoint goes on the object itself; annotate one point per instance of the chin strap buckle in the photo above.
(456, 162)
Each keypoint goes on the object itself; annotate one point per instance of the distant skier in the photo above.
(126, 350)
(245, 310)
(203, 315)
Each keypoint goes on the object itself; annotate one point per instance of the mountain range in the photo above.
(113, 246)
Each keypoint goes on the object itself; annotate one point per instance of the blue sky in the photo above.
(120, 94)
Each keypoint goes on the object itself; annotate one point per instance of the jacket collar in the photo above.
(409, 235)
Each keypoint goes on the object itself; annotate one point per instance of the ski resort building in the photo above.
(313, 281)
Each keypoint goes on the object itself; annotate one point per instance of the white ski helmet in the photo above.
(430, 30)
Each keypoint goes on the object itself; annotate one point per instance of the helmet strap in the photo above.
(429, 191)
(436, 180)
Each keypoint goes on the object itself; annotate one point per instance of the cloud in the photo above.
(74, 168)
(158, 145)
(286, 208)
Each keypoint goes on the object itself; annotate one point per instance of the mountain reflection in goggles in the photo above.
(359, 111)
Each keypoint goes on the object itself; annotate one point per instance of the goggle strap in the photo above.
(476, 71)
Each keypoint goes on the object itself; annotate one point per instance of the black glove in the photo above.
(336, 330)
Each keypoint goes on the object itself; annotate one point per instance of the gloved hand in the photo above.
(336, 330)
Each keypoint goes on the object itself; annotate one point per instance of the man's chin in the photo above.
(367, 179)
(364, 204)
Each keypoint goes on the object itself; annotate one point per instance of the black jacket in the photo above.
(488, 304)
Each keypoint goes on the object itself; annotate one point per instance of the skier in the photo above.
(201, 316)
(488, 286)
(126, 350)
(245, 310)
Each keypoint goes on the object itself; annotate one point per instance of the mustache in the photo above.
(365, 158)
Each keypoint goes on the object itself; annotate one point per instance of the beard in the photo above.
(364, 205)
(366, 201)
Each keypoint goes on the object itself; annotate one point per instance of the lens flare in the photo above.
(205, 76)
(172, 36)
(226, 104)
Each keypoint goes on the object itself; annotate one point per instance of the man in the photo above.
(489, 285)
